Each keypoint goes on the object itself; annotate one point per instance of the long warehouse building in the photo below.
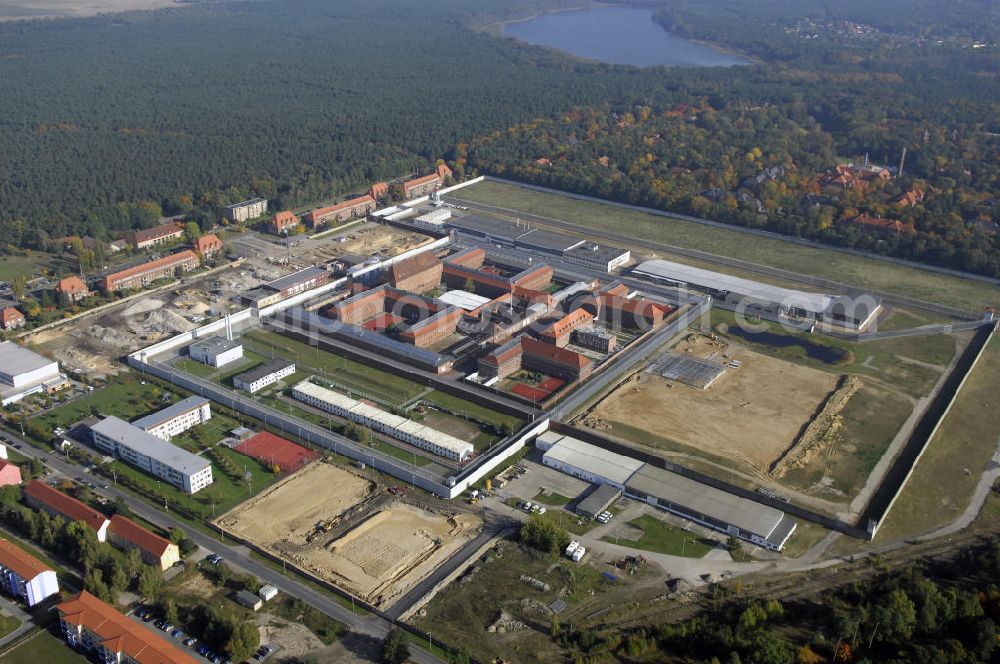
(398, 427)
(855, 310)
(711, 507)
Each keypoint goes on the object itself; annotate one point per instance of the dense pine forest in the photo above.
(109, 122)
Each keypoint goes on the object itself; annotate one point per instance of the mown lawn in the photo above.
(44, 648)
(127, 396)
(661, 538)
(947, 474)
(339, 369)
(857, 271)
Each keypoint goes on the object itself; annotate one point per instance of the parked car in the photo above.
(541, 510)
(190, 641)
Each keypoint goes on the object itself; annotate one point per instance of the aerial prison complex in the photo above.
(716, 509)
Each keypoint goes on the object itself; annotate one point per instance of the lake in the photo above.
(617, 35)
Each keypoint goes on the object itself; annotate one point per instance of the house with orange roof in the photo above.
(89, 624)
(283, 222)
(72, 288)
(156, 551)
(142, 275)
(378, 190)
(558, 333)
(24, 576)
(12, 319)
(340, 212)
(884, 226)
(909, 198)
(41, 496)
(151, 237)
(208, 245)
(10, 474)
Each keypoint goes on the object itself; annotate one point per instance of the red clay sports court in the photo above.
(275, 450)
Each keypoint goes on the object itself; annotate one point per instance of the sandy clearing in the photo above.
(385, 556)
(288, 511)
(752, 414)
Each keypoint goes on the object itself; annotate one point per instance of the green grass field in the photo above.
(8, 624)
(903, 362)
(461, 613)
(661, 538)
(225, 492)
(366, 379)
(551, 498)
(44, 648)
(124, 396)
(25, 266)
(940, 488)
(857, 271)
(346, 372)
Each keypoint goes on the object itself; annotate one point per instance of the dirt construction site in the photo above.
(335, 525)
(762, 412)
(91, 344)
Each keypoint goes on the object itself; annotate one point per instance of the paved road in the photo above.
(26, 622)
(238, 556)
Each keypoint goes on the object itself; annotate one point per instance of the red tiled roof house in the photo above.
(157, 551)
(41, 496)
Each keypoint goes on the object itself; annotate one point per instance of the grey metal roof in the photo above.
(170, 412)
(261, 370)
(594, 460)
(598, 499)
(486, 227)
(551, 241)
(149, 445)
(782, 532)
(289, 280)
(596, 252)
(215, 345)
(16, 359)
(696, 277)
(703, 499)
(246, 203)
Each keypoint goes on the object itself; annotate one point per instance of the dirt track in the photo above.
(753, 413)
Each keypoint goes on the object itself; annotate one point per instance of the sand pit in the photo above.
(381, 558)
(142, 305)
(380, 549)
(288, 511)
(753, 413)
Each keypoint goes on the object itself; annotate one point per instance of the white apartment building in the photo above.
(251, 209)
(263, 375)
(152, 455)
(176, 419)
(24, 576)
